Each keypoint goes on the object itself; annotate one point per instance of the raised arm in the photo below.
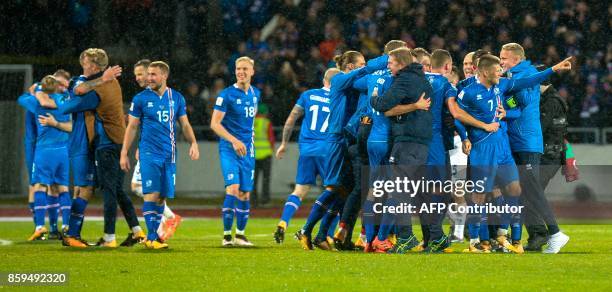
(45, 100)
(296, 113)
(514, 85)
(109, 74)
(29, 102)
(79, 103)
(344, 81)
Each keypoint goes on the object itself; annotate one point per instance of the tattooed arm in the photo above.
(296, 113)
(109, 74)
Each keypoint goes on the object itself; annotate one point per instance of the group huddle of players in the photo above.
(361, 116)
(67, 123)
(407, 109)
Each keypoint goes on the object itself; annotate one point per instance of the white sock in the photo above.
(227, 232)
(474, 241)
(239, 232)
(167, 212)
(39, 227)
(502, 232)
(459, 228)
(136, 229)
(108, 237)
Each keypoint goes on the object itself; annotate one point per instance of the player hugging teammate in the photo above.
(478, 112)
(68, 126)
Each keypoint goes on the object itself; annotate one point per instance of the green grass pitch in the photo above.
(195, 261)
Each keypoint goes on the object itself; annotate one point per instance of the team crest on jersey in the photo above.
(248, 103)
(148, 183)
(149, 104)
(478, 97)
(238, 101)
(230, 176)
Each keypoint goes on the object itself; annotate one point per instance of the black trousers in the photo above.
(262, 167)
(537, 209)
(110, 181)
(406, 160)
(549, 167)
(358, 158)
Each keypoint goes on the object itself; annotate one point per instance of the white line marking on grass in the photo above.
(94, 218)
(5, 242)
(248, 235)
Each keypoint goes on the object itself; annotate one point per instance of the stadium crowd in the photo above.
(307, 35)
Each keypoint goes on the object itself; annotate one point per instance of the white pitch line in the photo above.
(5, 242)
(87, 218)
(248, 235)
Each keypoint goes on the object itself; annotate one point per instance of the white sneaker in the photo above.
(241, 240)
(556, 242)
(227, 241)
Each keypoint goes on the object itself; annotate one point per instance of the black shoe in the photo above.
(345, 246)
(131, 240)
(55, 235)
(535, 243)
(279, 235)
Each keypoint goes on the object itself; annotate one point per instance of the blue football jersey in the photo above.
(344, 97)
(51, 136)
(315, 103)
(381, 126)
(481, 102)
(240, 108)
(78, 144)
(158, 116)
(30, 129)
(442, 91)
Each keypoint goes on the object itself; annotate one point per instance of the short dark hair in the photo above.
(143, 62)
(439, 58)
(486, 61)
